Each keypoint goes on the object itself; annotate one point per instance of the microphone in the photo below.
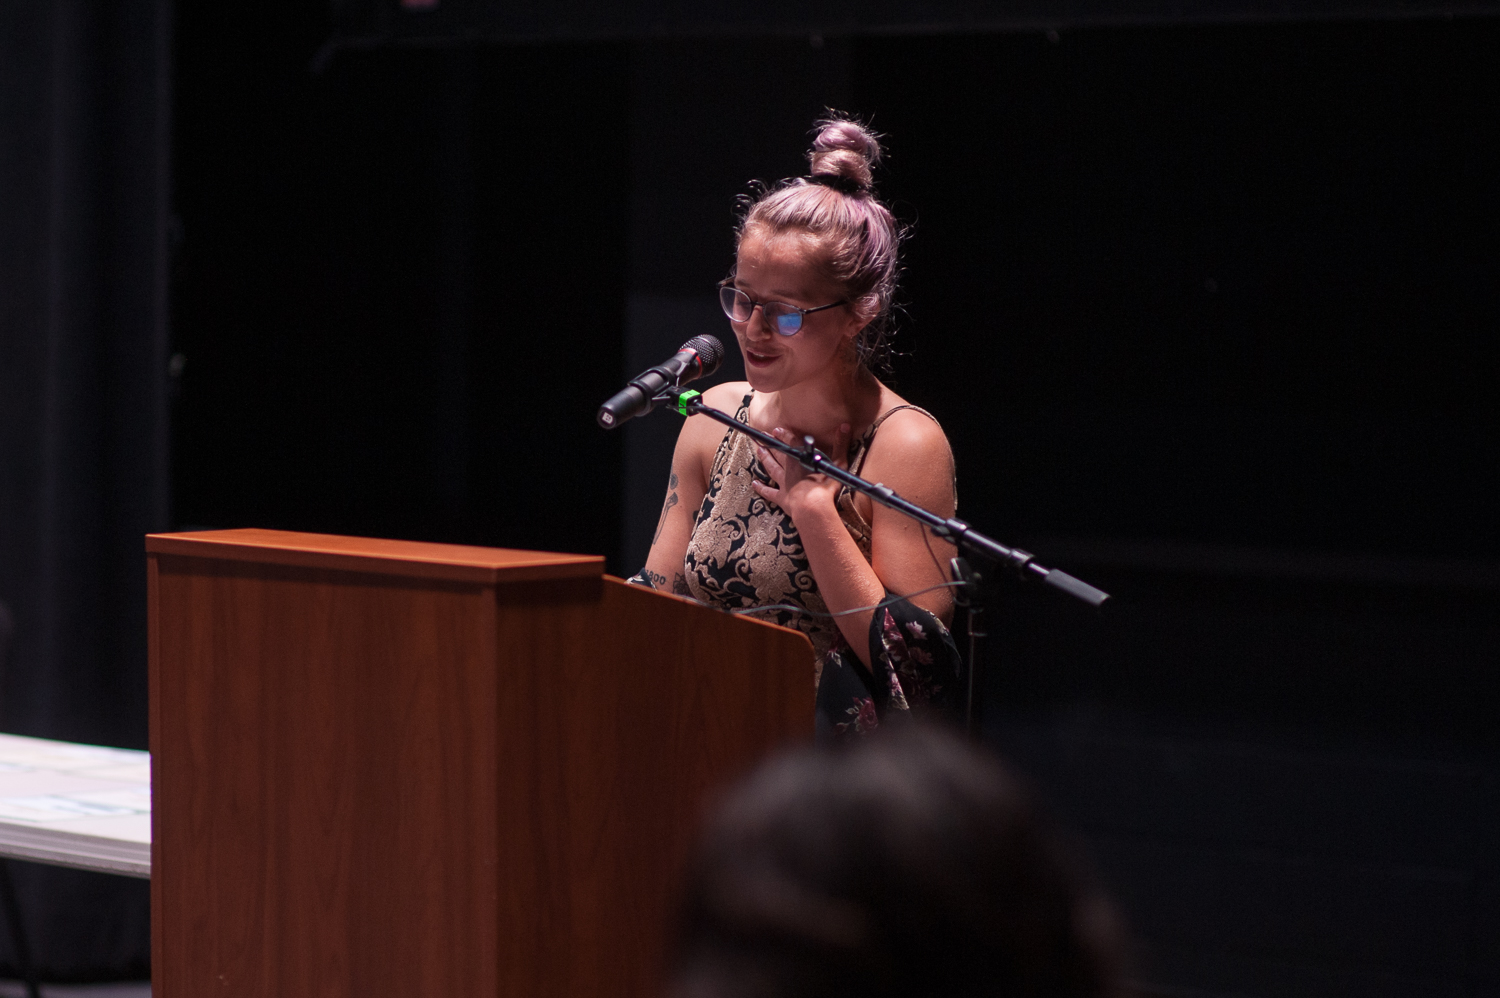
(698, 358)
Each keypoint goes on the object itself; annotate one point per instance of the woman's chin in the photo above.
(762, 377)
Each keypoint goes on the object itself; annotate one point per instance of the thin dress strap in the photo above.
(864, 442)
(869, 436)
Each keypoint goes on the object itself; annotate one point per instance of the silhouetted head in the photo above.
(908, 865)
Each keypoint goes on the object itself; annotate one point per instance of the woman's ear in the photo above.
(856, 320)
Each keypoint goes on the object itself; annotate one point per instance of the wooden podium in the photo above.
(394, 769)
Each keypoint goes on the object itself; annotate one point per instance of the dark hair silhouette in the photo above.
(911, 865)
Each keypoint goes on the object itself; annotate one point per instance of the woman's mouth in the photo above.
(755, 359)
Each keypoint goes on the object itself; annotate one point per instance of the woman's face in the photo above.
(783, 266)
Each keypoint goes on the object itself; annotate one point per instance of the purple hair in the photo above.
(862, 238)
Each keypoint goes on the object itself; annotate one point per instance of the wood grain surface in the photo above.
(645, 704)
(368, 784)
(407, 559)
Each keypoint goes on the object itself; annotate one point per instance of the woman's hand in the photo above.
(910, 455)
(802, 495)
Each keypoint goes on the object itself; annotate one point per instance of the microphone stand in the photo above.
(959, 533)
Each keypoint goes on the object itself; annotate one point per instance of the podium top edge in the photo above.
(416, 559)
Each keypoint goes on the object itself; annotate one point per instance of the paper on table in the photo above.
(135, 773)
(131, 798)
(27, 753)
(64, 807)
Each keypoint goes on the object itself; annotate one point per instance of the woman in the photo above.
(809, 302)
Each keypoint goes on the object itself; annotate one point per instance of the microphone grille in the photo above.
(709, 350)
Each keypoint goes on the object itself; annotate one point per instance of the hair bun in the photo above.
(845, 148)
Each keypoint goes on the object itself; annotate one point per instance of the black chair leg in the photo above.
(17, 931)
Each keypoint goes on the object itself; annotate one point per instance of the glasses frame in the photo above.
(729, 294)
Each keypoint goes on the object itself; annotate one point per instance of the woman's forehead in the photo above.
(792, 261)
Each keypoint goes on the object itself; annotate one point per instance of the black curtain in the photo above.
(84, 126)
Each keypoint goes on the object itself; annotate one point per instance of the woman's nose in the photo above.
(759, 324)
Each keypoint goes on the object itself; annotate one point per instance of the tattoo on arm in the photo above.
(657, 580)
(666, 508)
(680, 586)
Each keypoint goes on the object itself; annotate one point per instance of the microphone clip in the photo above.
(680, 402)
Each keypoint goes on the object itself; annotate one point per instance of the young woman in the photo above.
(809, 302)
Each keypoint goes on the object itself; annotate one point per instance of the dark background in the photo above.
(1207, 310)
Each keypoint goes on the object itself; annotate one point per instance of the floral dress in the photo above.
(745, 552)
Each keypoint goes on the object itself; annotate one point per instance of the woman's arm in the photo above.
(686, 487)
(911, 455)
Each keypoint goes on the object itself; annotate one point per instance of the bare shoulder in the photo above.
(727, 397)
(911, 454)
(909, 428)
(700, 435)
(910, 434)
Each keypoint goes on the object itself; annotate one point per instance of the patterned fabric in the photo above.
(916, 671)
(745, 552)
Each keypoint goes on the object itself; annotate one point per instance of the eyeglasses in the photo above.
(785, 319)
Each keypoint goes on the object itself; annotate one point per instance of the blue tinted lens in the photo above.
(787, 323)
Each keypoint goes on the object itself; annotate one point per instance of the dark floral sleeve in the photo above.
(914, 671)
